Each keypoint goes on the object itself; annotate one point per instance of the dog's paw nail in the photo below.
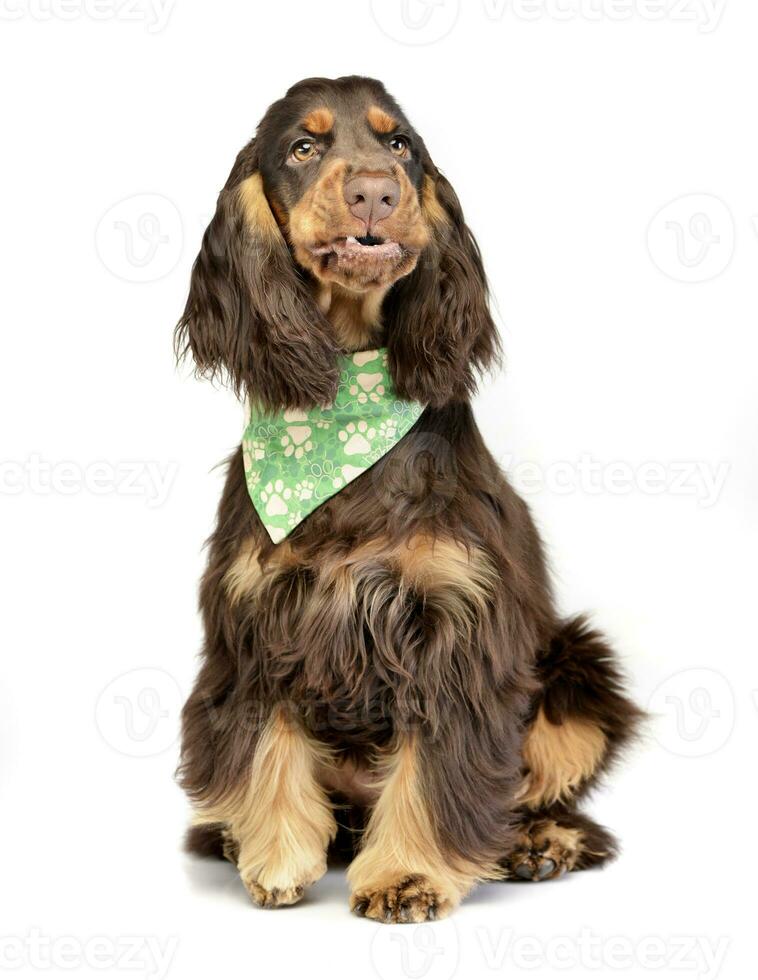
(524, 871)
(360, 907)
(546, 868)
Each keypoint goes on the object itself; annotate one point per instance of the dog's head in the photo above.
(335, 230)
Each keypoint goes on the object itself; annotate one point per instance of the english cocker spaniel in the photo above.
(382, 656)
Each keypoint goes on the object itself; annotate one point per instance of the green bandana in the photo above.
(296, 460)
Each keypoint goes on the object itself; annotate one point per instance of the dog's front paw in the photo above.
(273, 898)
(273, 891)
(412, 898)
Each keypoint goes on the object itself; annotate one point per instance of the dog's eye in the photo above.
(303, 150)
(399, 146)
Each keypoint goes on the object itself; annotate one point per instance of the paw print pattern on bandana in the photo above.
(304, 490)
(388, 429)
(357, 438)
(368, 387)
(296, 442)
(274, 497)
(296, 460)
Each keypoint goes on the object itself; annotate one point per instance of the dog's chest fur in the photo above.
(377, 607)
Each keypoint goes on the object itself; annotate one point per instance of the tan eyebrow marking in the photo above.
(381, 121)
(319, 121)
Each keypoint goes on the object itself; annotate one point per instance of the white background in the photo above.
(566, 128)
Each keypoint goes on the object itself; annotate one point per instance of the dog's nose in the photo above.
(371, 199)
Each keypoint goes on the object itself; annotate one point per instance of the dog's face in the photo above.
(337, 198)
(343, 171)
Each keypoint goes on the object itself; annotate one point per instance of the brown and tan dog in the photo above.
(397, 663)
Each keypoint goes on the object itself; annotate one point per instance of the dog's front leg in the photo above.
(280, 822)
(407, 869)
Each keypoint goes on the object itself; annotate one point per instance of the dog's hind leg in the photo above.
(206, 840)
(581, 719)
(555, 840)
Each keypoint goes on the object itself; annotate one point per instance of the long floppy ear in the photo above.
(250, 317)
(440, 331)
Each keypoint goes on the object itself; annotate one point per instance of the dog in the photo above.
(390, 666)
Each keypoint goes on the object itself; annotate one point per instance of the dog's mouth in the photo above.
(351, 250)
